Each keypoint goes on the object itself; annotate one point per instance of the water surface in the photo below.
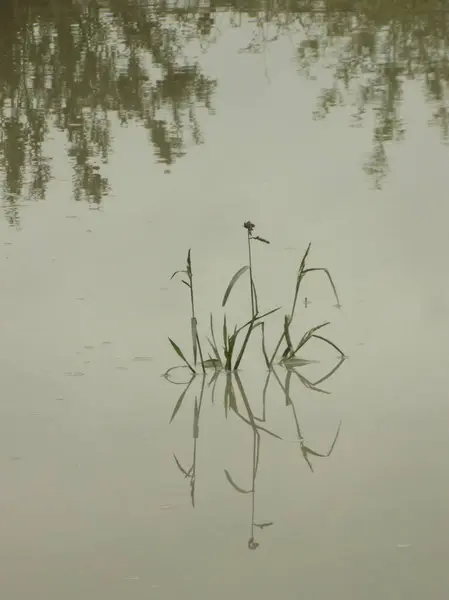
(132, 131)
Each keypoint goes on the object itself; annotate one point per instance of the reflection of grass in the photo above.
(237, 403)
(229, 357)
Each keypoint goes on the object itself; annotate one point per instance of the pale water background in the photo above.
(131, 132)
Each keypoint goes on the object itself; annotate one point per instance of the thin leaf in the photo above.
(176, 273)
(215, 351)
(178, 351)
(252, 325)
(320, 337)
(256, 318)
(244, 345)
(334, 289)
(212, 331)
(299, 278)
(260, 239)
(234, 485)
(264, 347)
(186, 473)
(306, 337)
(304, 258)
(232, 283)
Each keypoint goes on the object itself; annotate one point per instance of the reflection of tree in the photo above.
(370, 51)
(367, 49)
(69, 67)
(237, 403)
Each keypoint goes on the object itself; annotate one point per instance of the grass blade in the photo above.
(234, 485)
(306, 337)
(180, 467)
(212, 331)
(256, 318)
(178, 351)
(177, 273)
(244, 345)
(334, 289)
(264, 347)
(299, 277)
(215, 351)
(320, 337)
(232, 283)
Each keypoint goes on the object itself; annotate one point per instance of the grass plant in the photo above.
(229, 355)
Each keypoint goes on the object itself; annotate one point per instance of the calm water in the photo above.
(132, 131)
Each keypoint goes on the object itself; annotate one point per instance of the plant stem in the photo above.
(251, 281)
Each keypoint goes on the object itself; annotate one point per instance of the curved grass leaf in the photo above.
(334, 289)
(232, 283)
(320, 337)
(177, 272)
(234, 485)
(306, 337)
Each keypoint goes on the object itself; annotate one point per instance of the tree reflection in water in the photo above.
(70, 67)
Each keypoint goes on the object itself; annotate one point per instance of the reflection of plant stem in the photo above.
(252, 543)
(251, 279)
(191, 473)
(234, 389)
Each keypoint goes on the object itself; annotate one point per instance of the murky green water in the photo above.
(132, 131)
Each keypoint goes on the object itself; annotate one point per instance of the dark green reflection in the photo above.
(237, 404)
(370, 49)
(69, 67)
